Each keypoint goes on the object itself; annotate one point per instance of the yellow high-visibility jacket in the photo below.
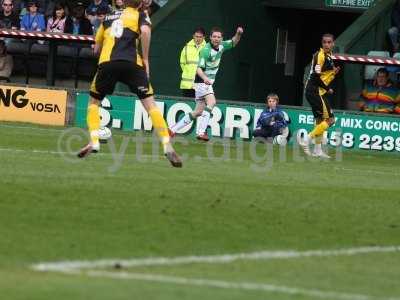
(189, 60)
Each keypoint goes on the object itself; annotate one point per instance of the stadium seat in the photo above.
(86, 52)
(67, 58)
(67, 51)
(40, 49)
(20, 52)
(37, 63)
(16, 47)
(86, 65)
(370, 70)
(72, 60)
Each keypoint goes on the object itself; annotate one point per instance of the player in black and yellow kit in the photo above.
(318, 87)
(120, 61)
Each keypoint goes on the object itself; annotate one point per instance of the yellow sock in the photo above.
(319, 129)
(318, 139)
(93, 122)
(159, 124)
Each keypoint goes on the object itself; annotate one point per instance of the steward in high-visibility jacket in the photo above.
(189, 61)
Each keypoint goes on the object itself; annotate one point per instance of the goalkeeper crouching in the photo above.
(273, 123)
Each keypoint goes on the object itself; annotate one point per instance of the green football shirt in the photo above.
(210, 59)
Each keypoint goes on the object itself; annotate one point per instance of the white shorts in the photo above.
(203, 90)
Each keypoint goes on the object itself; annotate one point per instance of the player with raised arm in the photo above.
(209, 61)
(120, 61)
(318, 87)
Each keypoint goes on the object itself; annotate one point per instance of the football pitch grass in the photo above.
(232, 228)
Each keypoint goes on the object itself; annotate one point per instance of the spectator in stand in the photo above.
(59, 20)
(118, 6)
(380, 96)
(273, 123)
(21, 6)
(394, 31)
(100, 16)
(51, 5)
(6, 63)
(33, 20)
(80, 24)
(149, 7)
(146, 3)
(8, 18)
(91, 10)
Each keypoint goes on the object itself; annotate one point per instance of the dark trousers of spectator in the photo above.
(189, 93)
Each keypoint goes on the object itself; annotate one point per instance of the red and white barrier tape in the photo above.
(367, 60)
(360, 59)
(45, 35)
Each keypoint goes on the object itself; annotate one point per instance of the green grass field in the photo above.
(55, 208)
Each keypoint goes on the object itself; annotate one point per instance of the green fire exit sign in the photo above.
(350, 3)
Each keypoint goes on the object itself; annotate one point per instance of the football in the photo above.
(104, 133)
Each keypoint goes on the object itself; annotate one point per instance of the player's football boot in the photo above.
(321, 154)
(88, 149)
(203, 137)
(305, 145)
(171, 133)
(174, 159)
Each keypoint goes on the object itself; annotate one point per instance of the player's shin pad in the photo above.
(186, 120)
(319, 129)
(206, 116)
(200, 122)
(160, 126)
(93, 123)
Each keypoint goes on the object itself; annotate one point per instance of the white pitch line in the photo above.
(70, 155)
(246, 286)
(35, 151)
(90, 268)
(367, 171)
(47, 152)
(211, 259)
(31, 128)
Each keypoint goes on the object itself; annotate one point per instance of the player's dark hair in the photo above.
(102, 10)
(328, 35)
(383, 71)
(273, 96)
(58, 6)
(200, 30)
(12, 2)
(31, 3)
(216, 29)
